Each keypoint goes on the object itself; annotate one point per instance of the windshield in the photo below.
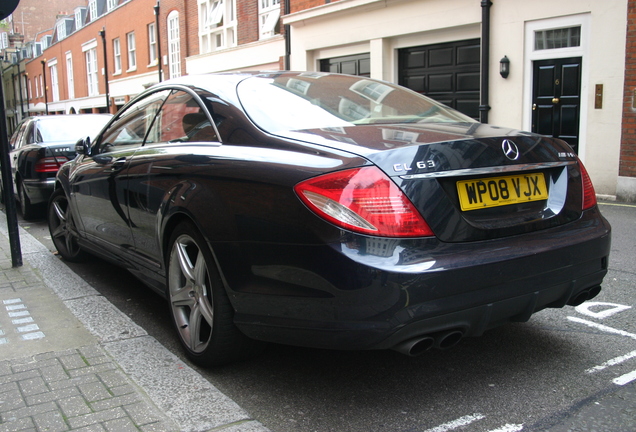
(70, 128)
(290, 102)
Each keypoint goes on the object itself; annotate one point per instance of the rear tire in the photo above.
(62, 228)
(201, 310)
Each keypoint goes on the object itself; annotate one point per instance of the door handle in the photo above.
(118, 164)
(556, 100)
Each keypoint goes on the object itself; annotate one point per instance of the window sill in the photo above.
(134, 69)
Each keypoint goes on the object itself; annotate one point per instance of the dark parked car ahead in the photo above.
(329, 211)
(38, 147)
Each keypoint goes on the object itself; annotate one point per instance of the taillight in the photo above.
(50, 164)
(364, 200)
(589, 195)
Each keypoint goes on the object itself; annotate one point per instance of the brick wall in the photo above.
(627, 164)
(33, 16)
(247, 15)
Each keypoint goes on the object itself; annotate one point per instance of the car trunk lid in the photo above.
(471, 181)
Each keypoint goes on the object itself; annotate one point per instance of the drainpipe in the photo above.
(102, 33)
(20, 88)
(485, 60)
(46, 95)
(159, 59)
(287, 37)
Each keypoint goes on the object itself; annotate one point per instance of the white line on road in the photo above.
(625, 379)
(603, 327)
(462, 421)
(508, 428)
(612, 362)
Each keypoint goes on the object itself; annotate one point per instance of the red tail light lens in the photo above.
(50, 164)
(589, 195)
(364, 200)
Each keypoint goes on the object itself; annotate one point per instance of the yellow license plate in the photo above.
(499, 191)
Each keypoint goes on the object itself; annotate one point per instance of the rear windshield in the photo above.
(71, 128)
(314, 101)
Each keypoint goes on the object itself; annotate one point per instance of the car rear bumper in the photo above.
(39, 191)
(373, 298)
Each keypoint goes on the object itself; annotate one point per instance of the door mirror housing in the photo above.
(83, 146)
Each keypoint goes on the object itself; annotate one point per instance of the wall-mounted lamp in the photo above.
(504, 67)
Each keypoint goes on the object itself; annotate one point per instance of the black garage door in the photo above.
(353, 65)
(448, 73)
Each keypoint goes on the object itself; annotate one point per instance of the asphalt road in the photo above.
(571, 369)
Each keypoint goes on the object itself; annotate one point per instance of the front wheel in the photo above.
(200, 307)
(62, 228)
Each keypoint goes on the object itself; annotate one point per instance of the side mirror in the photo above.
(83, 146)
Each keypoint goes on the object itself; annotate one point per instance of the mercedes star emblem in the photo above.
(510, 149)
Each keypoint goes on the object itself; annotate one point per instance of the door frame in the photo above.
(531, 55)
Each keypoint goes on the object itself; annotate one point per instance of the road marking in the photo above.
(616, 205)
(612, 362)
(603, 327)
(625, 379)
(508, 428)
(611, 309)
(462, 421)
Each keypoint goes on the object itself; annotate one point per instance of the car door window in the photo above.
(30, 133)
(130, 128)
(16, 141)
(182, 119)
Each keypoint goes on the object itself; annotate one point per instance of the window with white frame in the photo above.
(42, 89)
(61, 30)
(37, 87)
(132, 51)
(217, 24)
(55, 88)
(91, 71)
(557, 38)
(117, 55)
(152, 44)
(112, 4)
(79, 15)
(69, 76)
(92, 10)
(174, 45)
(268, 18)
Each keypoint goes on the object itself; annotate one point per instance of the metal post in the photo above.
(159, 59)
(102, 33)
(7, 181)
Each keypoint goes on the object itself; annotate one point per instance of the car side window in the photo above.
(131, 126)
(182, 119)
(30, 133)
(16, 141)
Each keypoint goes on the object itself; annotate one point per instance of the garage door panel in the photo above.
(447, 72)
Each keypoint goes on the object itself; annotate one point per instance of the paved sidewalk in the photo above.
(70, 360)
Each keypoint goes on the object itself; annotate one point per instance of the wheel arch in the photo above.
(170, 225)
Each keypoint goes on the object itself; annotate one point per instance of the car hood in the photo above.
(401, 149)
